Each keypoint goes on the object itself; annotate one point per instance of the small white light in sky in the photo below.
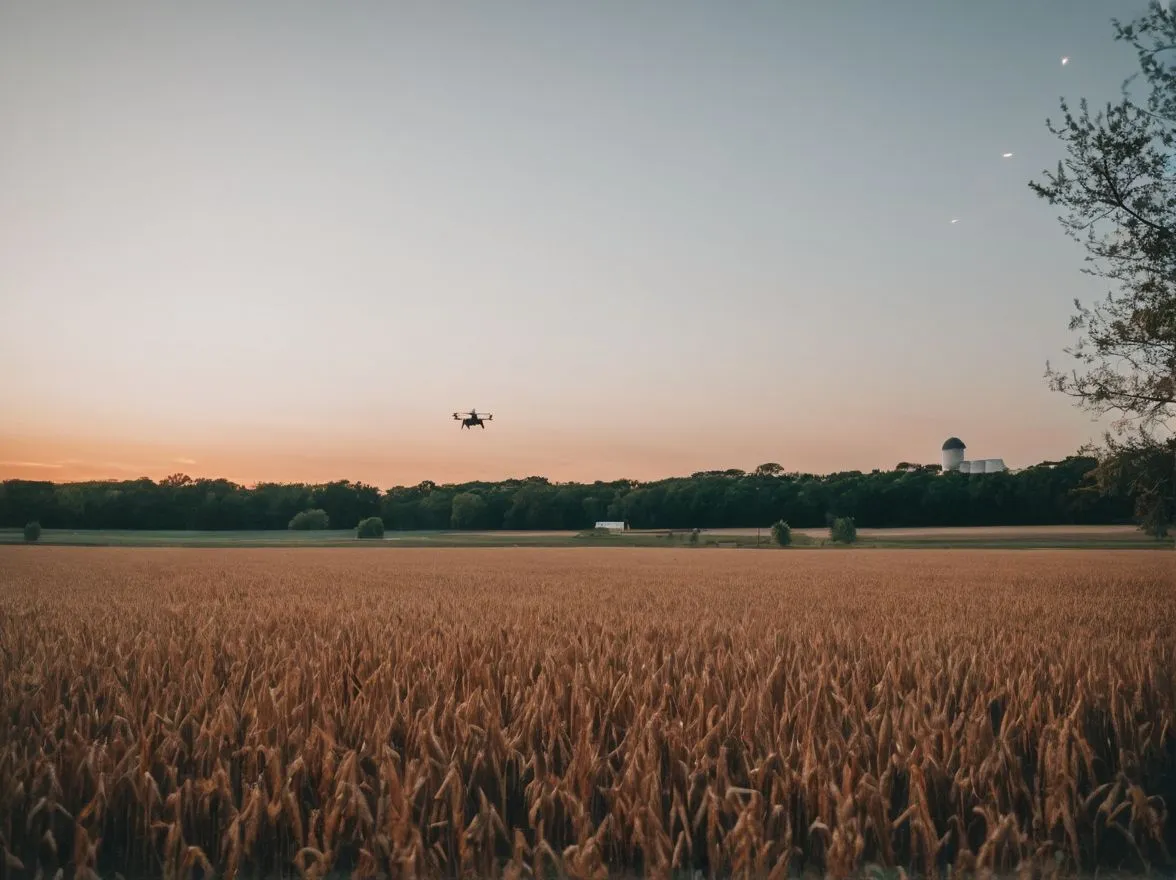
(1065, 60)
(1006, 155)
(956, 220)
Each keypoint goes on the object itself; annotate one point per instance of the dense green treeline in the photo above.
(910, 495)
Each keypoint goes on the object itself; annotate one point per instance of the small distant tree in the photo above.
(769, 469)
(781, 533)
(372, 527)
(311, 520)
(843, 530)
(32, 531)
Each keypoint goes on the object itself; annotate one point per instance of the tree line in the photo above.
(910, 495)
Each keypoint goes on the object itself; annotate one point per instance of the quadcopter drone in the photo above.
(471, 418)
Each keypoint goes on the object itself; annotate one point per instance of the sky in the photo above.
(287, 240)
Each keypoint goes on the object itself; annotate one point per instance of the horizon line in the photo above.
(732, 471)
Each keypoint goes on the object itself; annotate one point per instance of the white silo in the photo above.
(953, 453)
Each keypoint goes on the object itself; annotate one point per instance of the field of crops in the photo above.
(497, 712)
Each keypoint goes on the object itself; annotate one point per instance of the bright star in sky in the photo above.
(1006, 155)
(1065, 60)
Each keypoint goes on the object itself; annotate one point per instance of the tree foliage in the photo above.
(468, 511)
(1048, 493)
(781, 533)
(843, 530)
(1117, 191)
(372, 527)
(308, 520)
(1142, 469)
(32, 531)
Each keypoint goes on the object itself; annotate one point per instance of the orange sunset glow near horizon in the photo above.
(285, 242)
(443, 453)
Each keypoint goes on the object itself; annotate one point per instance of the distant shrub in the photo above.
(782, 533)
(32, 531)
(843, 530)
(372, 527)
(694, 536)
(309, 520)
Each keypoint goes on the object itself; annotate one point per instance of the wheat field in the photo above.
(584, 713)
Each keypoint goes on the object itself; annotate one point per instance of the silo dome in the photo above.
(953, 453)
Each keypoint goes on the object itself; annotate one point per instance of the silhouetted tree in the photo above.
(1117, 190)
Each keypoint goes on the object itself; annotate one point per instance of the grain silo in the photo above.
(953, 453)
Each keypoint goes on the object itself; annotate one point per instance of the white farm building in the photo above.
(953, 460)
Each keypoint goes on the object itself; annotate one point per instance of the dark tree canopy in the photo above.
(1049, 493)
